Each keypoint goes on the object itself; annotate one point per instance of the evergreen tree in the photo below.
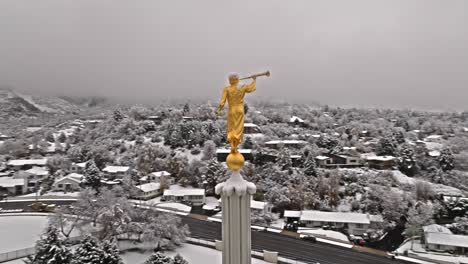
(111, 253)
(406, 162)
(118, 116)
(158, 258)
(88, 252)
(186, 109)
(62, 138)
(209, 150)
(49, 136)
(92, 176)
(284, 160)
(310, 167)
(386, 147)
(446, 160)
(215, 172)
(51, 250)
(248, 143)
(246, 109)
(178, 259)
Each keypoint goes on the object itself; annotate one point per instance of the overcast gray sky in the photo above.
(394, 53)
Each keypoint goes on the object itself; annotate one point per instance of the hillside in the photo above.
(17, 104)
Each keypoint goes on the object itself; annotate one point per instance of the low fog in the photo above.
(409, 54)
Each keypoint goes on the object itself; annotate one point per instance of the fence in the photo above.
(17, 254)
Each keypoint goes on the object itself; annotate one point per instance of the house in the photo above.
(446, 242)
(260, 207)
(190, 196)
(147, 191)
(338, 161)
(5, 137)
(157, 177)
(221, 154)
(156, 119)
(278, 144)
(69, 183)
(78, 167)
(381, 162)
(292, 216)
(33, 177)
(26, 164)
(351, 223)
(117, 172)
(296, 121)
(187, 118)
(434, 139)
(250, 129)
(12, 186)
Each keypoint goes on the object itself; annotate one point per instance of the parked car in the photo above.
(309, 238)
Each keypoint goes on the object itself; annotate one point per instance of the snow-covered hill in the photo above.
(13, 103)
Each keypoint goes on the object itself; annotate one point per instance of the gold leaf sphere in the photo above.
(235, 161)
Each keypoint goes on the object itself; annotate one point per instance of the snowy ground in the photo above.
(325, 234)
(415, 247)
(193, 254)
(49, 194)
(19, 232)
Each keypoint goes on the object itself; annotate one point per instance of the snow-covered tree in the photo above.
(178, 259)
(209, 150)
(159, 258)
(386, 146)
(50, 249)
(117, 115)
(62, 138)
(111, 254)
(419, 216)
(406, 161)
(248, 143)
(446, 160)
(214, 173)
(309, 166)
(88, 252)
(92, 176)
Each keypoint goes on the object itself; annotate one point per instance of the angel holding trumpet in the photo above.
(235, 114)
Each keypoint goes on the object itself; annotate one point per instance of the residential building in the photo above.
(26, 164)
(117, 172)
(156, 119)
(190, 196)
(221, 154)
(250, 128)
(338, 161)
(33, 177)
(12, 186)
(78, 167)
(293, 144)
(296, 121)
(351, 223)
(69, 183)
(158, 177)
(260, 207)
(381, 162)
(446, 242)
(147, 191)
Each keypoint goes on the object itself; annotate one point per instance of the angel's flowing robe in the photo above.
(235, 115)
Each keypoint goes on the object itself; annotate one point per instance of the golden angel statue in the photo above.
(235, 116)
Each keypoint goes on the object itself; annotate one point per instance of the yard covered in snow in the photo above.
(18, 232)
(193, 254)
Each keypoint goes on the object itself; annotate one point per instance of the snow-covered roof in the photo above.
(7, 182)
(149, 187)
(320, 157)
(183, 192)
(381, 158)
(296, 119)
(160, 173)
(82, 164)
(250, 125)
(40, 171)
(349, 148)
(295, 156)
(434, 153)
(287, 141)
(243, 151)
(434, 137)
(288, 213)
(76, 175)
(316, 136)
(465, 129)
(335, 217)
(434, 228)
(116, 169)
(376, 218)
(447, 239)
(71, 178)
(257, 205)
(175, 206)
(38, 162)
(153, 117)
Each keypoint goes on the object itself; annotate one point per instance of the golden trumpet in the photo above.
(267, 73)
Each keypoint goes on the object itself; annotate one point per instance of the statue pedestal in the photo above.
(235, 197)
